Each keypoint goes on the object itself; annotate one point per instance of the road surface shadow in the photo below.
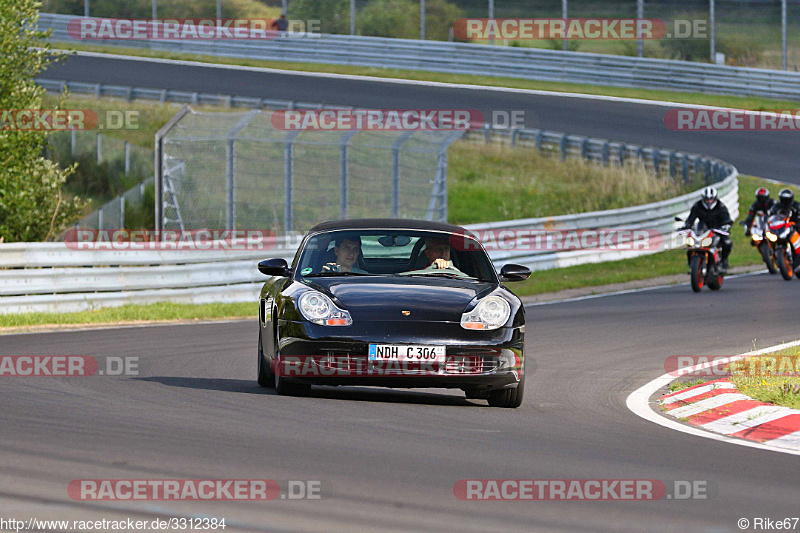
(357, 394)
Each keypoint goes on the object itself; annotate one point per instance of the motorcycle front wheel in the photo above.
(785, 263)
(696, 272)
(769, 260)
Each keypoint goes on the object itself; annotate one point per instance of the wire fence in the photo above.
(236, 170)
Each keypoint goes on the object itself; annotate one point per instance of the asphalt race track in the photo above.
(389, 458)
(767, 154)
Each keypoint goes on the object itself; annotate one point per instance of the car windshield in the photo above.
(365, 252)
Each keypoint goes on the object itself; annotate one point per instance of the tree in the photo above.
(32, 204)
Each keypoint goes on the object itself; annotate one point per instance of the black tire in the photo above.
(508, 398)
(785, 264)
(716, 283)
(696, 272)
(265, 377)
(284, 387)
(766, 255)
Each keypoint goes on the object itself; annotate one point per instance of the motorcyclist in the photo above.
(762, 204)
(787, 204)
(714, 215)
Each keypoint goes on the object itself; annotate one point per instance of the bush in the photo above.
(334, 15)
(400, 19)
(687, 49)
(740, 53)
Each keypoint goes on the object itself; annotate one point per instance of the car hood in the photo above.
(385, 298)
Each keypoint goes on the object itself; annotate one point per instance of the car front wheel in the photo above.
(509, 398)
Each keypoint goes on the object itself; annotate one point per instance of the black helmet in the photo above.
(787, 197)
(762, 195)
(709, 197)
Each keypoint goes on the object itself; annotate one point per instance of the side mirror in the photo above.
(274, 267)
(513, 272)
(678, 219)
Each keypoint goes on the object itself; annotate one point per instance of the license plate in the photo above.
(406, 352)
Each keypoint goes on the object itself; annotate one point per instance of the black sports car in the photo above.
(393, 303)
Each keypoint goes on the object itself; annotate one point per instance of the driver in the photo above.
(763, 203)
(437, 253)
(347, 249)
(787, 204)
(714, 215)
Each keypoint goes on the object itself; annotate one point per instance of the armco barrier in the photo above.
(42, 277)
(467, 58)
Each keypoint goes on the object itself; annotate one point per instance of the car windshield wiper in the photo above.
(449, 275)
(335, 273)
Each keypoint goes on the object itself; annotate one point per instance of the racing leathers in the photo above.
(717, 217)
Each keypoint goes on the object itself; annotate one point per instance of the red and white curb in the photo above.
(718, 411)
(719, 407)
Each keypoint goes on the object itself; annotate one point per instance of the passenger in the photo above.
(347, 250)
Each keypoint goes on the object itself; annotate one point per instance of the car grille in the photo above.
(454, 364)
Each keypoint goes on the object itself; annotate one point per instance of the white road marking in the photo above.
(639, 403)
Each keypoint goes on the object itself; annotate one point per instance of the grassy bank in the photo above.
(134, 313)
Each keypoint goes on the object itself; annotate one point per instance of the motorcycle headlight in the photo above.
(757, 237)
(707, 241)
(689, 241)
(319, 309)
(771, 236)
(490, 313)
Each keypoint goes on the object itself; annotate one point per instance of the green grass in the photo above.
(666, 263)
(680, 385)
(490, 182)
(754, 103)
(770, 388)
(134, 313)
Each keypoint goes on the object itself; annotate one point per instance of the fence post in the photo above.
(100, 218)
(344, 173)
(122, 211)
(99, 148)
(396, 172)
(623, 151)
(127, 158)
(563, 146)
(72, 142)
(685, 169)
(287, 185)
(230, 169)
(606, 150)
(584, 147)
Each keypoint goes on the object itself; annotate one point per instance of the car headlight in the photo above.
(707, 241)
(490, 313)
(771, 236)
(319, 309)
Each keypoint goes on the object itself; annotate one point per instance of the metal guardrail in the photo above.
(468, 58)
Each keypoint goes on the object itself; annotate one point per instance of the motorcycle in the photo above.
(704, 255)
(764, 245)
(779, 232)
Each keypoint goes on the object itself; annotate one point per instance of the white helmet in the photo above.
(709, 197)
